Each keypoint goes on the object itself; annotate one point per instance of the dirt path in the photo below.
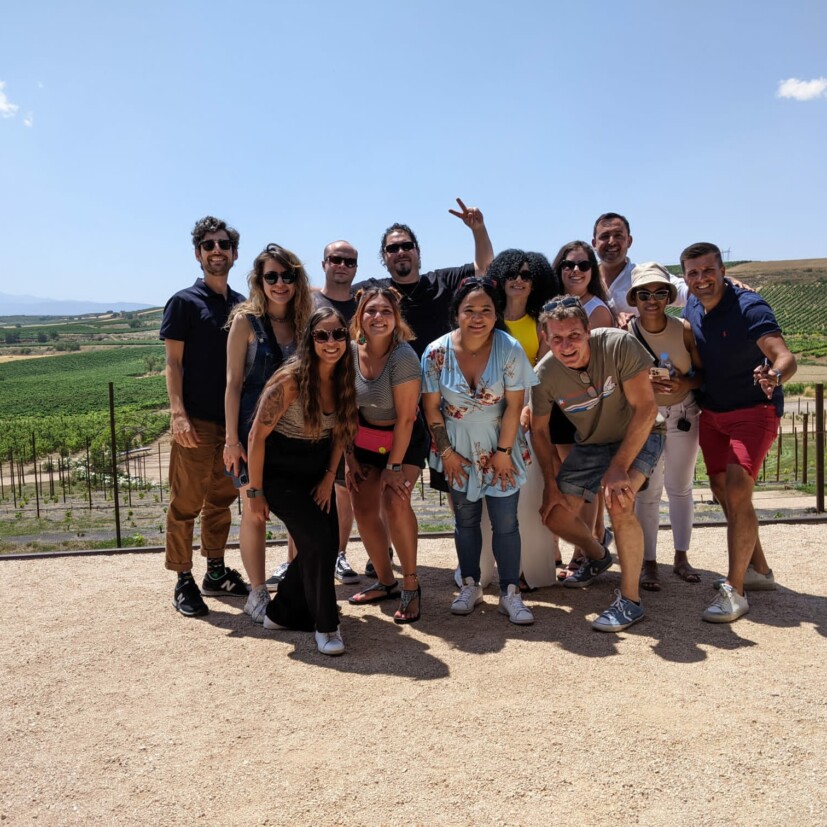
(119, 711)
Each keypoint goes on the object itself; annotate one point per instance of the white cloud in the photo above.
(7, 108)
(28, 119)
(802, 90)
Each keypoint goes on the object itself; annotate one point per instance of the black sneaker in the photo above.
(588, 572)
(370, 571)
(343, 572)
(232, 583)
(188, 600)
(272, 582)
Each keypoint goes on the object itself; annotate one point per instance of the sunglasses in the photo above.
(223, 243)
(407, 246)
(476, 281)
(582, 266)
(645, 295)
(288, 277)
(338, 334)
(524, 275)
(348, 262)
(566, 301)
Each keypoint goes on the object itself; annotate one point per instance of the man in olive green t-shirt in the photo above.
(600, 380)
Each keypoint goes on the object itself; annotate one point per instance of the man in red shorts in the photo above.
(746, 361)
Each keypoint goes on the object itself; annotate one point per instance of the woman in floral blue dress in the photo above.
(473, 387)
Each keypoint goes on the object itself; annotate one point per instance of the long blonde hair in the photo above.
(300, 306)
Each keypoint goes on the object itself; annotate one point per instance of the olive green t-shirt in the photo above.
(592, 398)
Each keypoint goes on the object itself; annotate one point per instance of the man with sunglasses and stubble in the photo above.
(600, 380)
(195, 338)
(426, 297)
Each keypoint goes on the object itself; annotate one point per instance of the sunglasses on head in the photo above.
(348, 262)
(407, 246)
(582, 266)
(645, 295)
(338, 334)
(288, 277)
(223, 244)
(476, 281)
(523, 274)
(566, 301)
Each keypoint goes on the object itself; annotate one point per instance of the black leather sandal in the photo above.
(385, 593)
(406, 598)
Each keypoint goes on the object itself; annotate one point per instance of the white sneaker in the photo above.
(271, 624)
(330, 643)
(753, 581)
(256, 604)
(470, 595)
(458, 577)
(511, 604)
(727, 606)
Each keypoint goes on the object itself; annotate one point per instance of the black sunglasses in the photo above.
(645, 295)
(476, 281)
(566, 301)
(523, 274)
(407, 246)
(338, 334)
(288, 277)
(348, 262)
(223, 243)
(582, 266)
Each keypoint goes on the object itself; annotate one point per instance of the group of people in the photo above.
(538, 393)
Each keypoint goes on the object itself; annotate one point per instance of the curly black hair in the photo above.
(210, 224)
(544, 283)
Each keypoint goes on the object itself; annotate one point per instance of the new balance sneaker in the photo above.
(272, 582)
(753, 581)
(330, 643)
(370, 569)
(511, 604)
(588, 572)
(256, 604)
(188, 600)
(231, 584)
(727, 606)
(343, 572)
(619, 616)
(470, 595)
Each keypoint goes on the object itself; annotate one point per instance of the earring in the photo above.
(361, 340)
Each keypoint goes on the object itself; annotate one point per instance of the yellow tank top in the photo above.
(524, 330)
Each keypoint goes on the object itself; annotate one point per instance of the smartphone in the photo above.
(658, 373)
(243, 478)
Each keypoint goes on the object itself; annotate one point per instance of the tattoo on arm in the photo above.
(440, 436)
(272, 406)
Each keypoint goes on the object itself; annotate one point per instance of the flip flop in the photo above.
(385, 593)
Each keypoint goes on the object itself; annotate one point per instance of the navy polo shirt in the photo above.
(426, 303)
(196, 316)
(727, 339)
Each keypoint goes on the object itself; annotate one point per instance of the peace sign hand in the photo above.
(471, 216)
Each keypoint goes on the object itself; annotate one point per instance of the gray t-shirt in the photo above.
(592, 398)
(374, 397)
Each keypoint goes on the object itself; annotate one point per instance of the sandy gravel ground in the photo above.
(119, 711)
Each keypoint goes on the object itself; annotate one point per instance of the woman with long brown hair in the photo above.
(305, 419)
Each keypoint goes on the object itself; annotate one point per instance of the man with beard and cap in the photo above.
(195, 337)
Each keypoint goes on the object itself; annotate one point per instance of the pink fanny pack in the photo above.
(372, 438)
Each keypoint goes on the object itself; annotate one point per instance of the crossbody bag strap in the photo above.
(643, 341)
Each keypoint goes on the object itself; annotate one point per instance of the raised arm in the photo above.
(180, 426)
(473, 219)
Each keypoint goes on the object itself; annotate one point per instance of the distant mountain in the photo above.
(12, 305)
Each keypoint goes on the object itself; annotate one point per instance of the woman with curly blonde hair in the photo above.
(305, 419)
(263, 333)
(390, 448)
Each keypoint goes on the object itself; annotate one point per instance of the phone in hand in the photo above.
(242, 478)
(659, 374)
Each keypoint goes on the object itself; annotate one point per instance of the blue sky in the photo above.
(302, 122)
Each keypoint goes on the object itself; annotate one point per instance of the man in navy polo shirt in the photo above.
(194, 334)
(745, 363)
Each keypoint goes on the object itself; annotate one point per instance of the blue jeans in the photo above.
(505, 537)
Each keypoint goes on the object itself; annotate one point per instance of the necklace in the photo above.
(277, 319)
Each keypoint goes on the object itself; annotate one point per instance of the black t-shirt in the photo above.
(196, 316)
(346, 307)
(425, 303)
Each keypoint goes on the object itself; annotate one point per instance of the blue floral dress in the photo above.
(473, 418)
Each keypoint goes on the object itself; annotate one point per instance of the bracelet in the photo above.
(234, 445)
(329, 471)
(447, 452)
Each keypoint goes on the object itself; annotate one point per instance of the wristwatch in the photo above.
(252, 493)
(394, 466)
(504, 450)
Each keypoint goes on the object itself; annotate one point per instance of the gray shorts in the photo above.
(584, 467)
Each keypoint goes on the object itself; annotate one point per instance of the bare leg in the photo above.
(251, 539)
(345, 509)
(628, 539)
(403, 526)
(366, 508)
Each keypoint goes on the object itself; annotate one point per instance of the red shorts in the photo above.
(742, 437)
